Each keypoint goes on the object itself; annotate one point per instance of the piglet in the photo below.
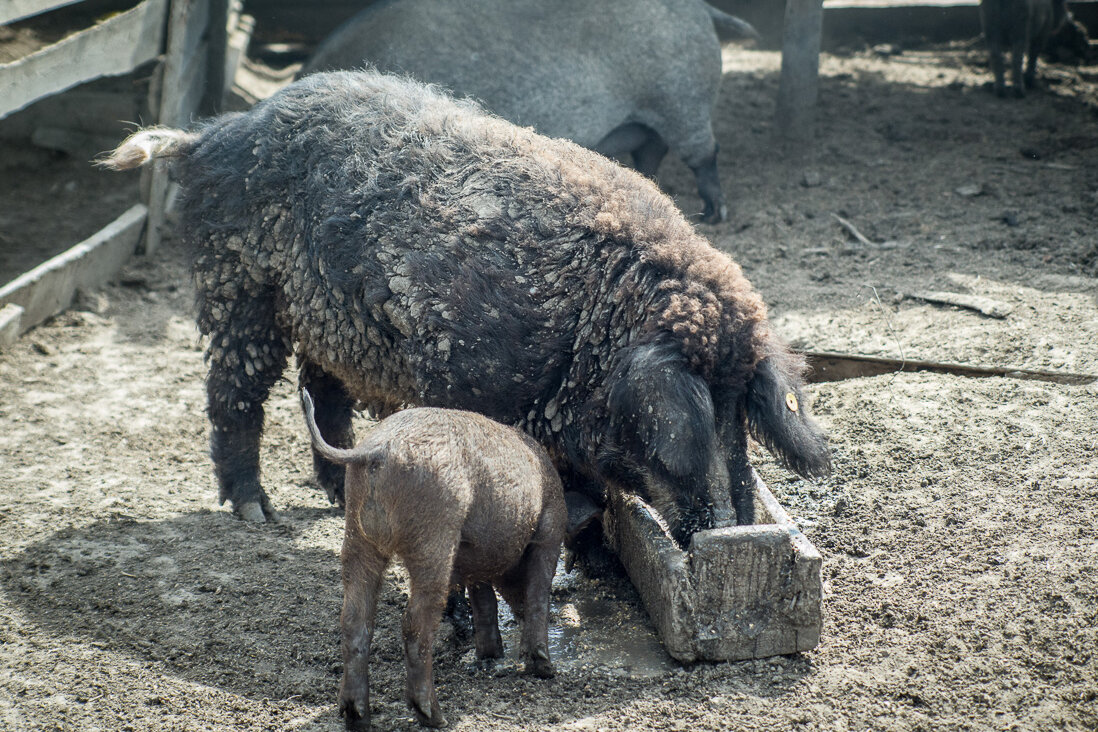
(459, 498)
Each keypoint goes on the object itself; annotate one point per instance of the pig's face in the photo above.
(664, 441)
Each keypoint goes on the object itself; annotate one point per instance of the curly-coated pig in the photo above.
(1023, 26)
(616, 76)
(415, 250)
(459, 498)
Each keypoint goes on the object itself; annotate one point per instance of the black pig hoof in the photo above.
(335, 495)
(714, 215)
(485, 665)
(353, 719)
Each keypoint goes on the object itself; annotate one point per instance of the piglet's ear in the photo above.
(662, 410)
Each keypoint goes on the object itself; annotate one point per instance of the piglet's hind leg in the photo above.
(429, 584)
(488, 642)
(526, 588)
(363, 569)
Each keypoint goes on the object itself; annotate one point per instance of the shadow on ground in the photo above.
(254, 610)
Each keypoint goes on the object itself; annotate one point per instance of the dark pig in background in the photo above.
(1069, 43)
(414, 250)
(1023, 26)
(616, 76)
(459, 498)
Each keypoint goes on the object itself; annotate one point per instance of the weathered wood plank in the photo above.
(115, 46)
(75, 142)
(18, 9)
(829, 366)
(187, 26)
(738, 592)
(50, 287)
(11, 316)
(96, 112)
(798, 89)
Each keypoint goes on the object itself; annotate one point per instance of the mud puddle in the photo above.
(594, 626)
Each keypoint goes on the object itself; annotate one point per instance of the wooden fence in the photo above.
(186, 42)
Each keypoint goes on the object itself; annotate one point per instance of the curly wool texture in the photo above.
(427, 253)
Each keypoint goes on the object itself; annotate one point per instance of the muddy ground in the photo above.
(958, 534)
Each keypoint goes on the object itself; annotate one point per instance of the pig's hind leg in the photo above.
(363, 568)
(1018, 45)
(648, 156)
(1036, 44)
(247, 352)
(489, 643)
(526, 589)
(429, 578)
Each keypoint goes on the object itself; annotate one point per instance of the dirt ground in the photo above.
(958, 533)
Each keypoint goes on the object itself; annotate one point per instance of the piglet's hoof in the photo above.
(356, 717)
(538, 664)
(433, 719)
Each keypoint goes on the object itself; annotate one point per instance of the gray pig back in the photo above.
(575, 69)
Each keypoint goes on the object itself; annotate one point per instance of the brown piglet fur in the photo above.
(459, 498)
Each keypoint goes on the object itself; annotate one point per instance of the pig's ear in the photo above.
(661, 410)
(777, 417)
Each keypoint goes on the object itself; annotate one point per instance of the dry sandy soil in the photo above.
(958, 532)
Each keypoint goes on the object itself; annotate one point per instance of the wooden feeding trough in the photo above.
(737, 593)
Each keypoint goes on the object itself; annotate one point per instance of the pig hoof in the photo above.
(251, 512)
(713, 215)
(334, 492)
(352, 720)
(540, 667)
(485, 664)
(432, 719)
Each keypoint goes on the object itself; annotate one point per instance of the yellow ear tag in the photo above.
(791, 401)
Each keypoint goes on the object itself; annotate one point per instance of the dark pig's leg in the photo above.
(246, 353)
(647, 157)
(363, 569)
(709, 188)
(991, 18)
(998, 70)
(333, 417)
(482, 598)
(1037, 43)
(1018, 45)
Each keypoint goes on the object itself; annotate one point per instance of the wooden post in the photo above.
(181, 89)
(218, 37)
(799, 86)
